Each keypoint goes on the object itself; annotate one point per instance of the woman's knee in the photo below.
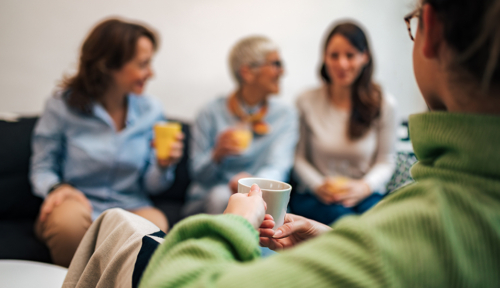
(68, 217)
(63, 229)
(155, 216)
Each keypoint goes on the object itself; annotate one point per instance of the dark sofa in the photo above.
(19, 207)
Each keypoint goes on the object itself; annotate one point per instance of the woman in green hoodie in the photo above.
(441, 231)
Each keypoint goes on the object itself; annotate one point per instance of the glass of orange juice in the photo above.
(165, 135)
(243, 136)
(336, 183)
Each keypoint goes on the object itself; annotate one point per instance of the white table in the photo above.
(20, 273)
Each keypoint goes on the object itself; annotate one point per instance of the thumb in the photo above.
(255, 191)
(284, 231)
(290, 228)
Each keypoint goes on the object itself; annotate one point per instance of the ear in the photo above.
(247, 74)
(431, 32)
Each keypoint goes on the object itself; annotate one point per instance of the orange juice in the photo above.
(336, 183)
(165, 133)
(243, 137)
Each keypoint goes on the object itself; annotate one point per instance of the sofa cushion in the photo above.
(17, 201)
(401, 175)
(15, 145)
(19, 242)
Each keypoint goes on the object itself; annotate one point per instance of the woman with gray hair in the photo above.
(244, 134)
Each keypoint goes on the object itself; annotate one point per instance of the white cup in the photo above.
(275, 193)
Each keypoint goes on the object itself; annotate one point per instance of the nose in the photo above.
(343, 62)
(281, 70)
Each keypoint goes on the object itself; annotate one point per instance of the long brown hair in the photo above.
(110, 45)
(366, 96)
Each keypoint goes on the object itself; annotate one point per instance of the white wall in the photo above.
(39, 41)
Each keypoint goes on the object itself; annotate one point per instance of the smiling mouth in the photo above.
(141, 84)
(342, 75)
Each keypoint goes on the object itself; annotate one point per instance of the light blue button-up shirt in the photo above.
(268, 156)
(112, 168)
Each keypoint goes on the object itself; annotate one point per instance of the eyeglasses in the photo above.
(276, 64)
(412, 23)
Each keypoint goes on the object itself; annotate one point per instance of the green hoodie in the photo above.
(441, 231)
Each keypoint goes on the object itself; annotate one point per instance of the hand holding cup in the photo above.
(329, 191)
(168, 143)
(296, 229)
(243, 138)
(250, 206)
(225, 146)
(336, 184)
(276, 194)
(352, 192)
(233, 183)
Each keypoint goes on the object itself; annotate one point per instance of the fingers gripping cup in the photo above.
(275, 193)
(165, 136)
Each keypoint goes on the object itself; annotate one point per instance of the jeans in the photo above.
(309, 206)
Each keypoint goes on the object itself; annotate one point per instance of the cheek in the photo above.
(416, 68)
(135, 75)
(268, 77)
(425, 81)
(331, 68)
(358, 65)
(330, 64)
(124, 77)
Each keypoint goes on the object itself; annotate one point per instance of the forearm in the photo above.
(48, 144)
(384, 165)
(45, 169)
(43, 181)
(307, 174)
(198, 249)
(220, 251)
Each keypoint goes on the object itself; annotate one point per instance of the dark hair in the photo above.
(472, 29)
(110, 45)
(366, 96)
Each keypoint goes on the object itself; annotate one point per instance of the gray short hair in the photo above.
(250, 51)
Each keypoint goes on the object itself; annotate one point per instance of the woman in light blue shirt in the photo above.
(92, 145)
(218, 161)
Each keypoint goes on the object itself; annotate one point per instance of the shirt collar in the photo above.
(250, 109)
(132, 113)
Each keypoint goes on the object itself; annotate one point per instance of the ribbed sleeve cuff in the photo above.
(42, 188)
(232, 229)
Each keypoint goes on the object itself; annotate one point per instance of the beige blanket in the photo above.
(114, 252)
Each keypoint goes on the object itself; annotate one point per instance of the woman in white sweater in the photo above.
(345, 152)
